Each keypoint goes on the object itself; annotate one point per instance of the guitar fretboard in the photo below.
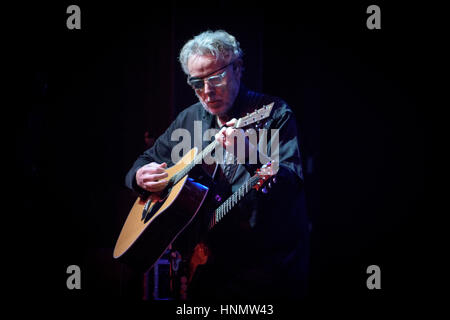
(229, 204)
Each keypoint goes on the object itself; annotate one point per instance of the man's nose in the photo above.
(209, 88)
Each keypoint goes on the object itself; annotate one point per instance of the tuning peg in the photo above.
(269, 185)
(274, 180)
(264, 190)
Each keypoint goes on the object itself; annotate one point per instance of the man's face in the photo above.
(217, 100)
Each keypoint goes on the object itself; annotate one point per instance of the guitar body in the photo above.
(143, 240)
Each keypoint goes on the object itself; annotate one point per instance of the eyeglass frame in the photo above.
(208, 76)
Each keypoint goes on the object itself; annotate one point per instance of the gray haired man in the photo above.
(260, 251)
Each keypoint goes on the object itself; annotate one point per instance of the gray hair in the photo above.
(218, 43)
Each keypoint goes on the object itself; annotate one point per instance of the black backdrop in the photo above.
(93, 92)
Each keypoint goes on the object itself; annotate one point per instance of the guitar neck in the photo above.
(197, 159)
(231, 202)
(243, 122)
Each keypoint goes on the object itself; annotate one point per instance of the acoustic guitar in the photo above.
(153, 223)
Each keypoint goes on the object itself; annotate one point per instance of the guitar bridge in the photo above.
(149, 210)
(146, 207)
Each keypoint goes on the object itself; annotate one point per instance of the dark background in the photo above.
(91, 93)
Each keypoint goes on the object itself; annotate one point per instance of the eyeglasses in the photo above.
(213, 81)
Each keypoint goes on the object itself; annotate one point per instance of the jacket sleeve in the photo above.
(160, 152)
(282, 147)
(288, 149)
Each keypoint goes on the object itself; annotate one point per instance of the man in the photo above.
(260, 250)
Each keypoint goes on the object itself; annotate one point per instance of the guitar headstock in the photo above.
(264, 174)
(255, 116)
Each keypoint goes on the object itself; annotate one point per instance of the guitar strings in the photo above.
(228, 204)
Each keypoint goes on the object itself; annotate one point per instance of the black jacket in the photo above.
(261, 248)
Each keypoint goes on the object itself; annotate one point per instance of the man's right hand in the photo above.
(152, 177)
